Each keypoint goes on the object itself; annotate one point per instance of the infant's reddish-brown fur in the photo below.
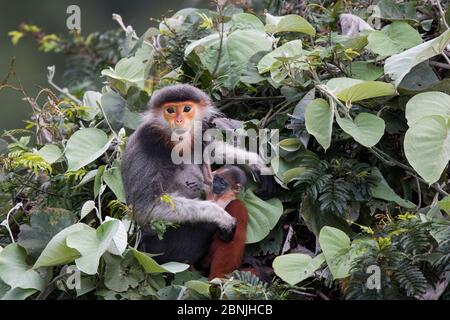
(227, 257)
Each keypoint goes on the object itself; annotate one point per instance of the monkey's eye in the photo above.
(170, 110)
(187, 108)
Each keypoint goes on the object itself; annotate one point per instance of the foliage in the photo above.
(360, 100)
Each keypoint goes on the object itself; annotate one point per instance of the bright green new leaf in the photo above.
(288, 23)
(85, 146)
(290, 144)
(57, 252)
(296, 267)
(444, 204)
(92, 244)
(399, 65)
(393, 39)
(427, 147)
(50, 153)
(367, 128)
(263, 215)
(319, 119)
(14, 270)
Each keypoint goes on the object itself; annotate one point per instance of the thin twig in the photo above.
(442, 14)
(440, 64)
(65, 91)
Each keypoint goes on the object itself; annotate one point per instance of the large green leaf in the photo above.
(122, 274)
(246, 21)
(91, 100)
(393, 39)
(237, 49)
(85, 146)
(367, 128)
(291, 49)
(392, 10)
(383, 191)
(57, 252)
(263, 215)
(335, 245)
(427, 147)
(118, 113)
(296, 267)
(427, 104)
(353, 90)
(288, 23)
(133, 70)
(44, 225)
(50, 153)
(365, 70)
(14, 270)
(399, 65)
(151, 266)
(319, 119)
(113, 179)
(92, 244)
(7, 293)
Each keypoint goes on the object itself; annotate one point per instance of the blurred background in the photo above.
(50, 15)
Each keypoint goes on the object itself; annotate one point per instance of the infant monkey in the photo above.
(225, 257)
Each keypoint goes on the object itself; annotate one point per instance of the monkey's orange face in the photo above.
(180, 115)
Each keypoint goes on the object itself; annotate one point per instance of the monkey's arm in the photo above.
(184, 210)
(222, 151)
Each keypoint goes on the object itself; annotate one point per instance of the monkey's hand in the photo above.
(264, 176)
(226, 235)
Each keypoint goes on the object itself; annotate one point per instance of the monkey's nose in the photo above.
(179, 121)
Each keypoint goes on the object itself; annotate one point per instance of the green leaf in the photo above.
(246, 21)
(50, 153)
(290, 144)
(237, 49)
(367, 128)
(335, 245)
(91, 100)
(151, 266)
(391, 10)
(427, 104)
(393, 39)
(399, 65)
(383, 191)
(291, 49)
(427, 147)
(85, 146)
(113, 179)
(122, 274)
(288, 23)
(444, 204)
(353, 90)
(15, 272)
(364, 70)
(57, 252)
(263, 215)
(296, 267)
(44, 225)
(118, 113)
(315, 219)
(92, 244)
(319, 119)
(133, 70)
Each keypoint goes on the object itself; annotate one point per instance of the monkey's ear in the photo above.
(238, 188)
